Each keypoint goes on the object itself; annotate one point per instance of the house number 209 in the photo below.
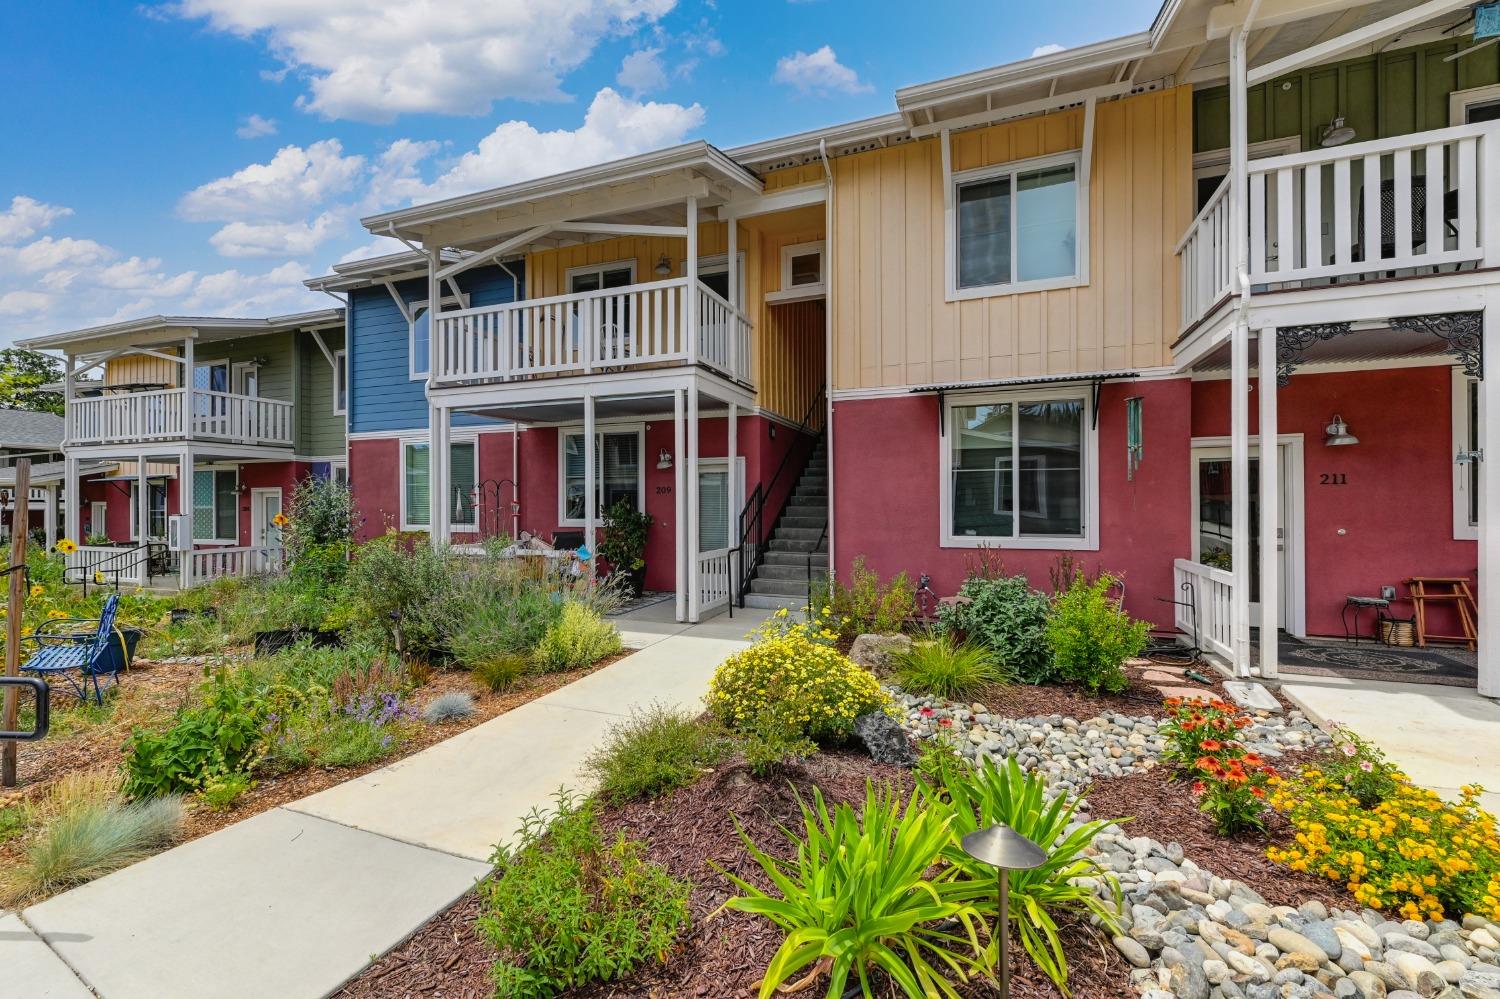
(1333, 479)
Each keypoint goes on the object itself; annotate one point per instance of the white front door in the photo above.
(265, 506)
(98, 518)
(1213, 534)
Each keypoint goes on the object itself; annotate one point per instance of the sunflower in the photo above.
(281, 520)
(67, 546)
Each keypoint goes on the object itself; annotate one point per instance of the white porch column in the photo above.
(188, 409)
(679, 499)
(49, 516)
(590, 483)
(1239, 492)
(736, 362)
(1489, 506)
(72, 501)
(143, 501)
(185, 511)
(1270, 509)
(691, 319)
(731, 534)
(691, 549)
(438, 471)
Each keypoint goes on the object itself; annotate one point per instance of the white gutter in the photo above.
(828, 251)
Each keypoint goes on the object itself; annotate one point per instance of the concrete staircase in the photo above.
(798, 538)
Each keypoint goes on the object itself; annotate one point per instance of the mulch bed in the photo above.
(1166, 811)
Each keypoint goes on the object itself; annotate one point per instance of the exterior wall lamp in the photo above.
(1006, 850)
(1338, 433)
(1336, 133)
(663, 266)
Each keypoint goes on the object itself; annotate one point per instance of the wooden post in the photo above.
(14, 605)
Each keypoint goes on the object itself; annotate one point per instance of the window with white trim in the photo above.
(1016, 226)
(1466, 440)
(420, 333)
(1019, 471)
(617, 467)
(157, 512)
(340, 382)
(216, 513)
(416, 484)
(802, 265)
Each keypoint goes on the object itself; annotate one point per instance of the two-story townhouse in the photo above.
(37, 437)
(206, 424)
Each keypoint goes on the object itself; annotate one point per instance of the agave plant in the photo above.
(985, 794)
(862, 894)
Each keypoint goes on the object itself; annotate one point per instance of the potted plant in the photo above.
(624, 543)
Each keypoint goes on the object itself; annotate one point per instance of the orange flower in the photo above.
(1251, 760)
(1259, 792)
(1212, 745)
(1209, 765)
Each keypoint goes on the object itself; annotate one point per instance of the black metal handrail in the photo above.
(127, 558)
(753, 515)
(822, 536)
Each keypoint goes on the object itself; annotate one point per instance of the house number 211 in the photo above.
(1333, 479)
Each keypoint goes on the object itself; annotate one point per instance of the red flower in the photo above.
(926, 712)
(1258, 792)
(946, 722)
(1199, 787)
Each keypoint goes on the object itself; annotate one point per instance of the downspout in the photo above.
(828, 251)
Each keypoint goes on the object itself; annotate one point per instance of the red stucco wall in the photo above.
(1397, 507)
(886, 455)
(116, 494)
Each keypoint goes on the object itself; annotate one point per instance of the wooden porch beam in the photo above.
(499, 249)
(623, 229)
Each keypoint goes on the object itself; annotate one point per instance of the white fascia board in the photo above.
(804, 145)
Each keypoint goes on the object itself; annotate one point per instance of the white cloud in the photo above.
(26, 217)
(274, 239)
(255, 126)
(48, 254)
(295, 181)
(1044, 50)
(614, 127)
(818, 72)
(380, 246)
(641, 72)
(371, 60)
(19, 303)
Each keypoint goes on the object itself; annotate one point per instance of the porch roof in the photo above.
(374, 270)
(158, 328)
(1085, 377)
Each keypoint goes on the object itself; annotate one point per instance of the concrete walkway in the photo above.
(295, 901)
(1443, 737)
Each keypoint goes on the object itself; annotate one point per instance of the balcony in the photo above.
(1310, 221)
(617, 329)
(180, 414)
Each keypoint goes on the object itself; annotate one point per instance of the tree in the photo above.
(22, 375)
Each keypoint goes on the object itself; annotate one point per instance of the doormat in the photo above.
(648, 599)
(1449, 667)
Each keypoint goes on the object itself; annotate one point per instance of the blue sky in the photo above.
(204, 156)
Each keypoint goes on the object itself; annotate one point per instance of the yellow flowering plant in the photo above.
(793, 663)
(1412, 854)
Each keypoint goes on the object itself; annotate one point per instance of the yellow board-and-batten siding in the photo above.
(892, 325)
(142, 369)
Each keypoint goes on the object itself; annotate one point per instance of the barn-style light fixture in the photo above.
(1338, 433)
(1336, 133)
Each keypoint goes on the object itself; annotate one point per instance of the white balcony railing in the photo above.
(637, 326)
(1213, 596)
(207, 564)
(128, 564)
(1410, 204)
(177, 414)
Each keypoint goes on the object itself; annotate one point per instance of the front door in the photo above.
(265, 507)
(1213, 534)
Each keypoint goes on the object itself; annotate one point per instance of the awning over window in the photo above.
(1094, 378)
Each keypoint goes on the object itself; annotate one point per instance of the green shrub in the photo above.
(88, 838)
(490, 606)
(980, 796)
(863, 894)
(1008, 617)
(1091, 636)
(773, 740)
(220, 792)
(320, 516)
(344, 741)
(218, 737)
(568, 908)
(13, 821)
(791, 664)
(395, 586)
(655, 751)
(623, 545)
(452, 706)
(500, 670)
(578, 638)
(944, 668)
(866, 604)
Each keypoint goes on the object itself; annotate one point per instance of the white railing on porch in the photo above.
(715, 579)
(79, 565)
(204, 565)
(636, 326)
(1213, 595)
(177, 414)
(1414, 202)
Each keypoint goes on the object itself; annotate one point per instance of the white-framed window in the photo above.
(1015, 227)
(157, 513)
(718, 498)
(216, 505)
(420, 334)
(1466, 440)
(595, 277)
(617, 468)
(416, 484)
(340, 382)
(713, 271)
(1211, 166)
(246, 378)
(1478, 104)
(1020, 471)
(802, 266)
(338, 471)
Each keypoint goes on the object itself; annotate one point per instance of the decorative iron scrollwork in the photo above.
(1293, 341)
(1462, 331)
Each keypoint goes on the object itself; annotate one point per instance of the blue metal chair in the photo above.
(78, 657)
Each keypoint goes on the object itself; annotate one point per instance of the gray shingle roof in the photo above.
(23, 428)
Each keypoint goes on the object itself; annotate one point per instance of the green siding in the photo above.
(320, 431)
(1393, 93)
(275, 350)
